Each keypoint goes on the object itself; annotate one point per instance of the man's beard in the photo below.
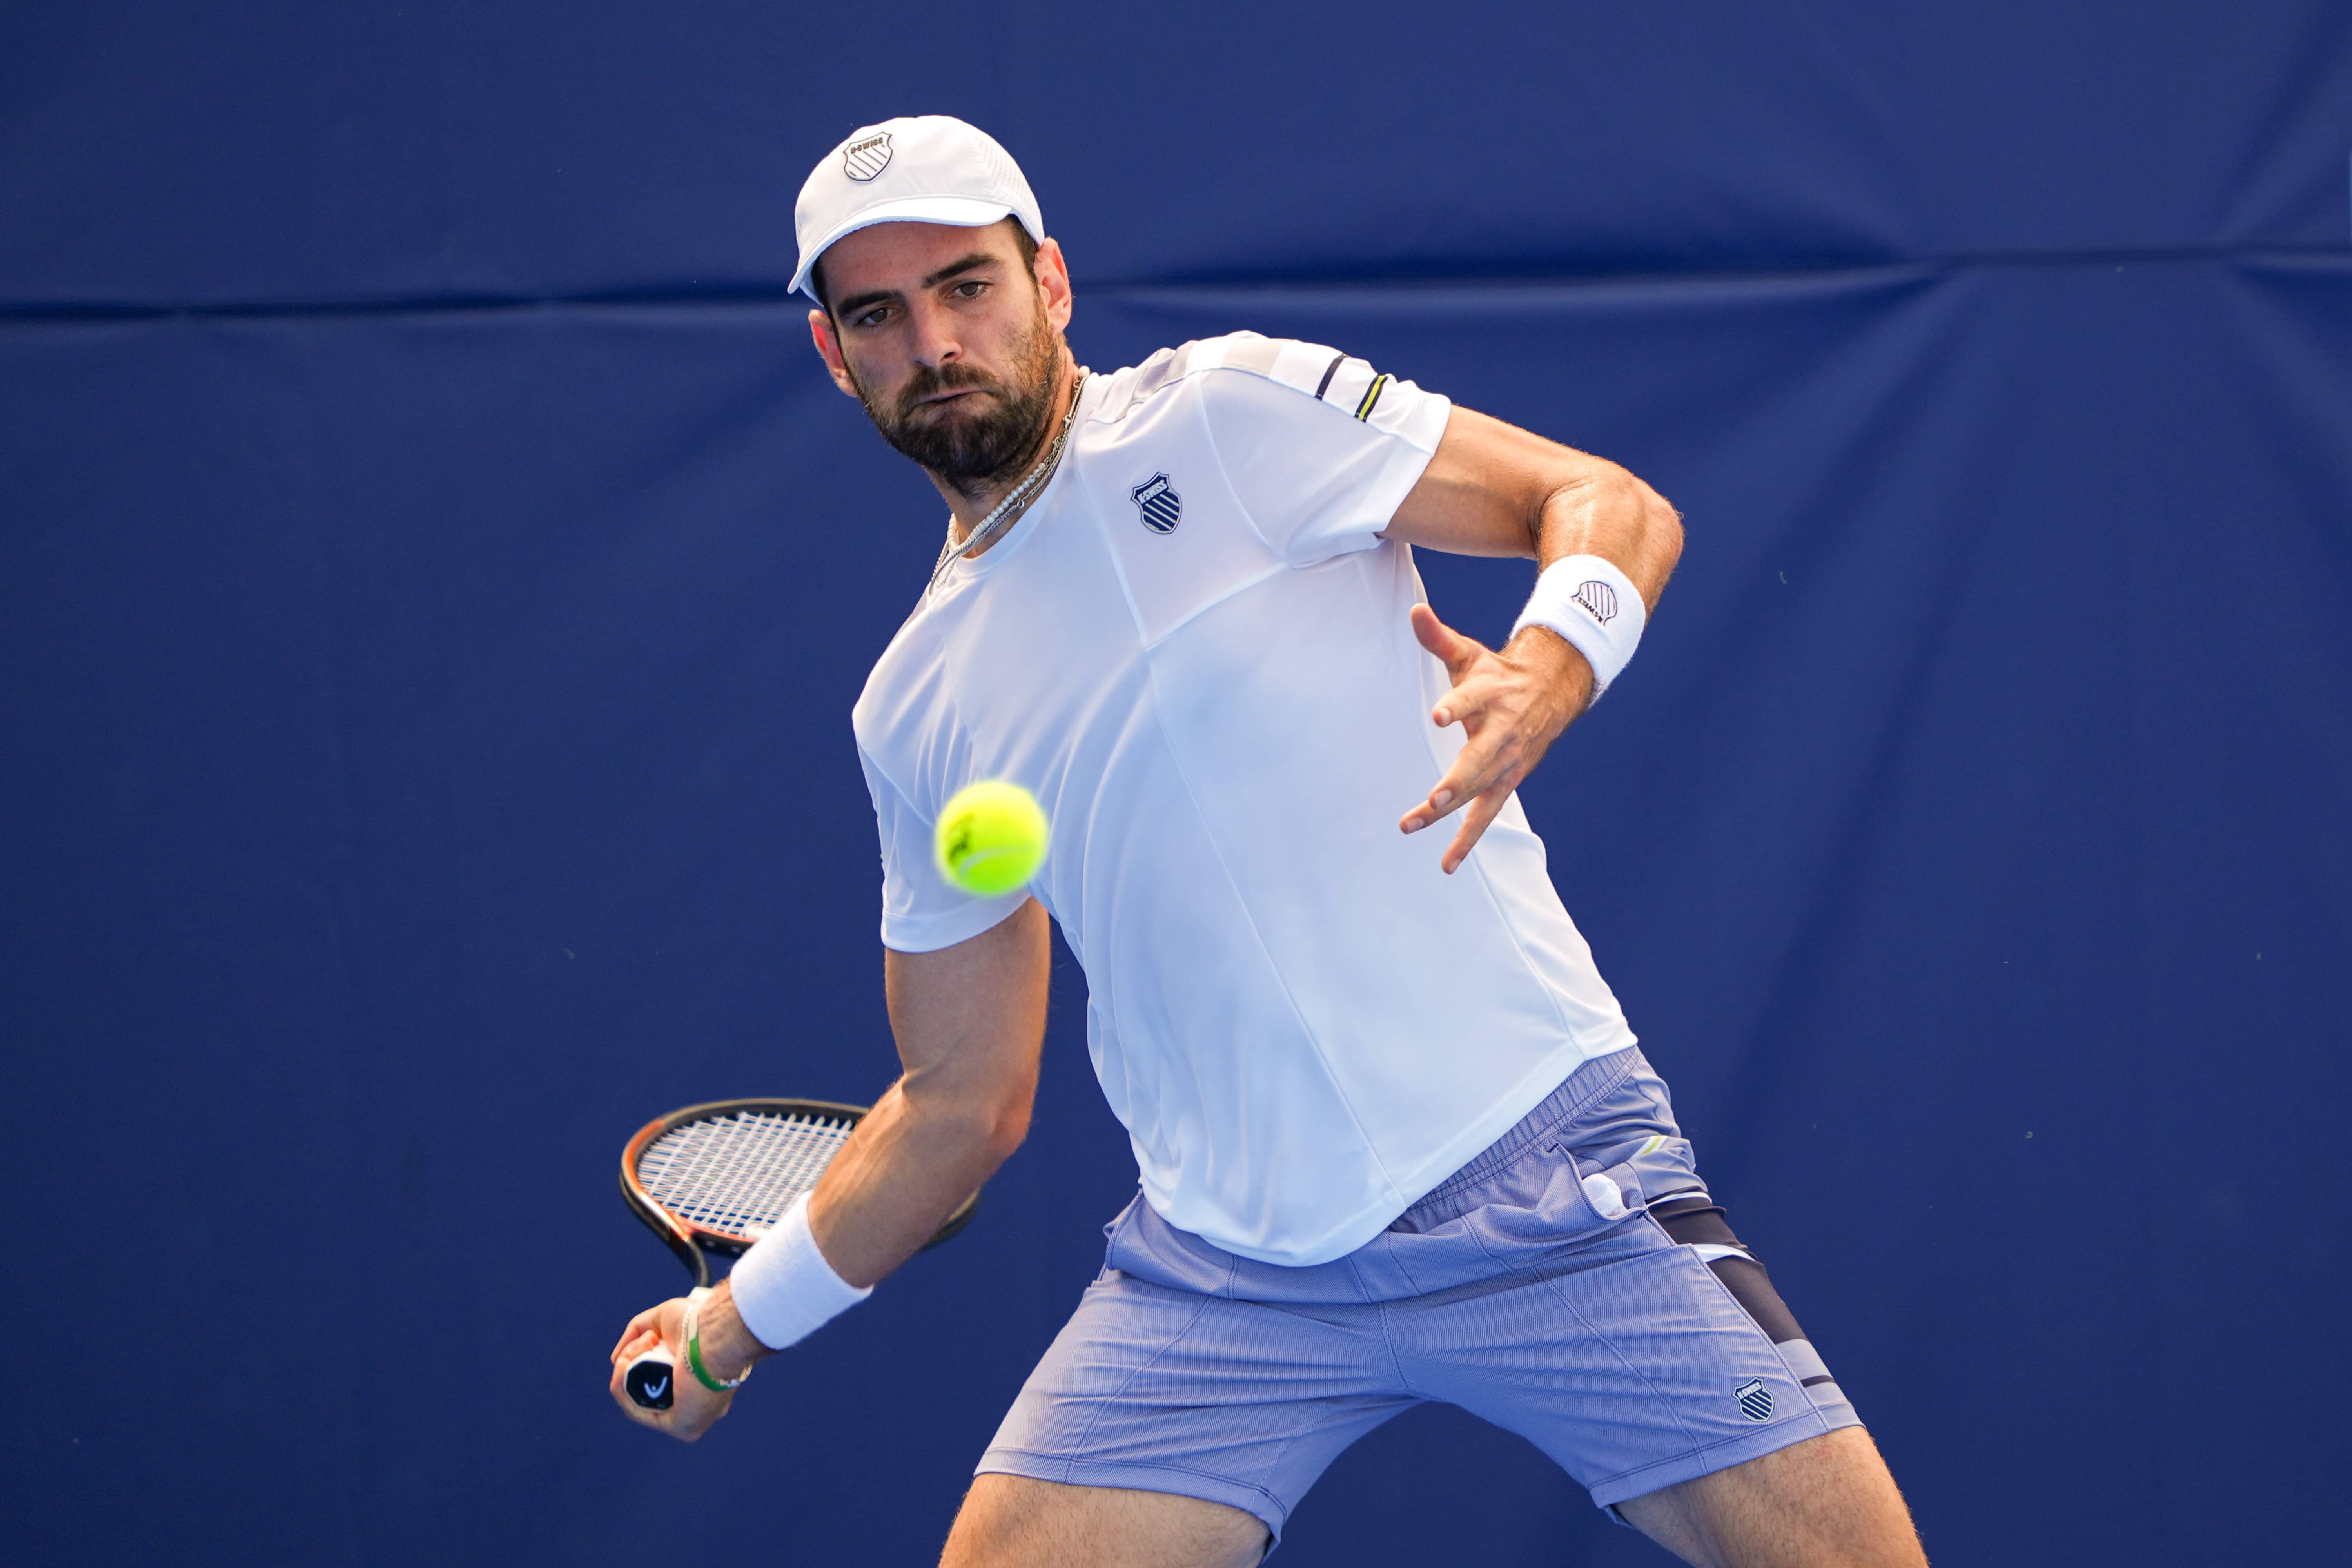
(967, 447)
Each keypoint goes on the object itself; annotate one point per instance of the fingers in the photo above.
(1483, 811)
(1510, 713)
(645, 1323)
(1449, 794)
(1460, 654)
(1463, 703)
(1477, 769)
(1442, 640)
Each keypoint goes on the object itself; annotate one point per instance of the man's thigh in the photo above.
(1014, 1521)
(1826, 1502)
(1631, 1365)
(1243, 1403)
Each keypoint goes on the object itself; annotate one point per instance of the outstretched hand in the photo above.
(1511, 704)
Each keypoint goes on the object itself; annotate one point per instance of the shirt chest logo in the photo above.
(1157, 501)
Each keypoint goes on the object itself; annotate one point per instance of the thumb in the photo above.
(1441, 639)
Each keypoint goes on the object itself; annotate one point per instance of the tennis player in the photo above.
(1396, 1141)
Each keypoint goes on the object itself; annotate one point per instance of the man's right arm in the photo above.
(971, 1022)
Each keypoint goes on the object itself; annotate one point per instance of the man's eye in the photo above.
(872, 317)
(971, 288)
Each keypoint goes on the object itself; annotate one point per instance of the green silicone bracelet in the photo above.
(694, 1355)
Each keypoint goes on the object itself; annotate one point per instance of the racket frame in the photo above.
(692, 1243)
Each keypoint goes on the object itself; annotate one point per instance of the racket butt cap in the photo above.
(652, 1379)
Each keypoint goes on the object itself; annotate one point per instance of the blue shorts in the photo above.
(1574, 1284)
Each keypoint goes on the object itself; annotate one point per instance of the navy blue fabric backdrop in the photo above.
(434, 574)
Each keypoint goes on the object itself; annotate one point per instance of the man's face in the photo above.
(947, 338)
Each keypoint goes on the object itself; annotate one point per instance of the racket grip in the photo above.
(652, 1378)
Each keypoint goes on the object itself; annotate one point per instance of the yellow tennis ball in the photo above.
(991, 838)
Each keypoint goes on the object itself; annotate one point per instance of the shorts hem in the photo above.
(1715, 1457)
(1267, 1509)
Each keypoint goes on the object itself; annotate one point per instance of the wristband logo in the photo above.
(1600, 601)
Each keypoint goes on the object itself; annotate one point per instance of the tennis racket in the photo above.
(717, 1177)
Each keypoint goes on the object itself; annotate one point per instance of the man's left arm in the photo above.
(1495, 489)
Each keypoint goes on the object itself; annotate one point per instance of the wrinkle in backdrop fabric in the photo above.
(156, 156)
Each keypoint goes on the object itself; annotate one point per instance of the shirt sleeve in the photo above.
(1320, 448)
(921, 911)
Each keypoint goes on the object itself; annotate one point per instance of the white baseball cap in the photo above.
(928, 168)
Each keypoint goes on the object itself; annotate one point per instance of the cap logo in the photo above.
(864, 160)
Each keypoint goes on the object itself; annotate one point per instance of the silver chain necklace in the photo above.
(1016, 500)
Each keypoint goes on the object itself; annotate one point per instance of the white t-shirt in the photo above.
(1194, 649)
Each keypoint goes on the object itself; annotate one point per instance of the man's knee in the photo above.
(1014, 1521)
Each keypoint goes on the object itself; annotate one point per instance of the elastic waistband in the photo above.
(1579, 1089)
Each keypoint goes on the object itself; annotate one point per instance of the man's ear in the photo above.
(1054, 282)
(828, 348)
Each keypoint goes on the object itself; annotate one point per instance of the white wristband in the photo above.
(785, 1291)
(1595, 608)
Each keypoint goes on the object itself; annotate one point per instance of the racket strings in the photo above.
(737, 1174)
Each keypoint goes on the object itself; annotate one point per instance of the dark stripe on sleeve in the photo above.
(1329, 370)
(1379, 384)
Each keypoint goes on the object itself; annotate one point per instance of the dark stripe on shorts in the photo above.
(1743, 1277)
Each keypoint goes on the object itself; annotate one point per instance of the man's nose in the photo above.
(936, 338)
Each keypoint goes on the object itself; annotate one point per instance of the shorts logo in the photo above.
(864, 160)
(1161, 507)
(1755, 1399)
(1601, 599)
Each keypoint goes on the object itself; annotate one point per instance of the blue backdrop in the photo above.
(434, 574)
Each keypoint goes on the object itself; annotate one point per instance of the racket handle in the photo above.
(652, 1378)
